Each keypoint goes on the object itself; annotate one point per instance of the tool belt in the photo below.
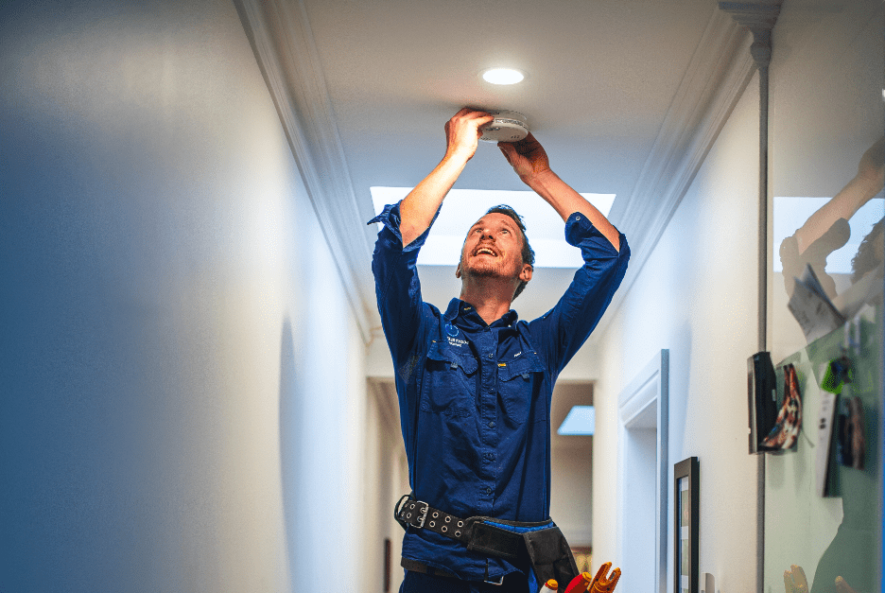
(541, 544)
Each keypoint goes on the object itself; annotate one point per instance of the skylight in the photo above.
(581, 421)
(463, 207)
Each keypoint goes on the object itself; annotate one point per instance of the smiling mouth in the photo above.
(486, 251)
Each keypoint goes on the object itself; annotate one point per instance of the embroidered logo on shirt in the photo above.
(451, 330)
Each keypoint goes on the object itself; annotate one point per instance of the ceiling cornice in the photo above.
(717, 75)
(284, 47)
(757, 16)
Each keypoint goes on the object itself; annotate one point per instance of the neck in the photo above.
(491, 297)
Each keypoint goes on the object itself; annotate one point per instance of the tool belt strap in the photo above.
(474, 532)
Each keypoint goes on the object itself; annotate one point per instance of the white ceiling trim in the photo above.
(283, 43)
(717, 75)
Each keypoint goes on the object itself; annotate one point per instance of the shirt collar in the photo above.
(468, 318)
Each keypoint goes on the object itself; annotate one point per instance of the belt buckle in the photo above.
(422, 513)
(499, 582)
(406, 507)
(486, 579)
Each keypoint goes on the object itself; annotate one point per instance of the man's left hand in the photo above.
(527, 157)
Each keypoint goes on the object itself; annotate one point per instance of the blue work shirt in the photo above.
(474, 399)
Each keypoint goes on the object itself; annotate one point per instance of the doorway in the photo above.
(642, 479)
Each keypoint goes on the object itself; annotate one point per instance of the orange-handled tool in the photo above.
(602, 583)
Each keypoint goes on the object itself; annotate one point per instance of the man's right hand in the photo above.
(420, 206)
(463, 132)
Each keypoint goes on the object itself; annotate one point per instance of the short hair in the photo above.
(528, 254)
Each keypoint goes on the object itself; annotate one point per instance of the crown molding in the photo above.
(284, 47)
(757, 16)
(714, 81)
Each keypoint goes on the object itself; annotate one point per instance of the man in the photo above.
(474, 383)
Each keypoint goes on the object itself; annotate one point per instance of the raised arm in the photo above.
(529, 159)
(419, 207)
(866, 184)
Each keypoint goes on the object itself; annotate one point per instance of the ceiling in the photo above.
(614, 89)
(601, 76)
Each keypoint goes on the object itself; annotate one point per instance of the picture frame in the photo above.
(686, 498)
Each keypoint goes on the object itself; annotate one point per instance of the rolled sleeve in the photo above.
(390, 233)
(566, 327)
(397, 287)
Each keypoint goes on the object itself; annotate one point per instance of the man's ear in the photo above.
(458, 271)
(526, 274)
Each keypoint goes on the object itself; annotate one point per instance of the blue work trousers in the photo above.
(416, 582)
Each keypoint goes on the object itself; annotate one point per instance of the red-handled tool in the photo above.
(580, 583)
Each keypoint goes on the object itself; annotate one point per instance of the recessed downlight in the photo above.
(503, 76)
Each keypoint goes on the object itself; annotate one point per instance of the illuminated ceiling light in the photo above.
(502, 76)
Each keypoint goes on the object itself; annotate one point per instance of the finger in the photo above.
(480, 123)
(788, 582)
(469, 113)
(479, 118)
(507, 150)
(799, 576)
(473, 112)
(843, 587)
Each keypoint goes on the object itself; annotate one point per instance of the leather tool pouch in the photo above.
(550, 556)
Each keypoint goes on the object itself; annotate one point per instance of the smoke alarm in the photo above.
(508, 126)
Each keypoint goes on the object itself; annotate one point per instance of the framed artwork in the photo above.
(686, 486)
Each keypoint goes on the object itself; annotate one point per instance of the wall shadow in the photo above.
(291, 447)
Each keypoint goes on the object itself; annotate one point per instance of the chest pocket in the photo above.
(519, 385)
(450, 381)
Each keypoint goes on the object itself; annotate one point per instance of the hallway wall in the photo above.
(696, 295)
(182, 385)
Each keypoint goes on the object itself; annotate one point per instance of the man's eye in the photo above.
(504, 231)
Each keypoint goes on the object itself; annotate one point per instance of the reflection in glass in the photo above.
(841, 243)
(823, 507)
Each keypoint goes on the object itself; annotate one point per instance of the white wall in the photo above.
(696, 295)
(386, 480)
(182, 383)
(571, 493)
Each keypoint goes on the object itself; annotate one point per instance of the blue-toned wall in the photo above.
(181, 380)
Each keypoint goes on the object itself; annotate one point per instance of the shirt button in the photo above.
(491, 356)
(488, 490)
(492, 424)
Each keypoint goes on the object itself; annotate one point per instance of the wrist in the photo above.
(538, 179)
(457, 157)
